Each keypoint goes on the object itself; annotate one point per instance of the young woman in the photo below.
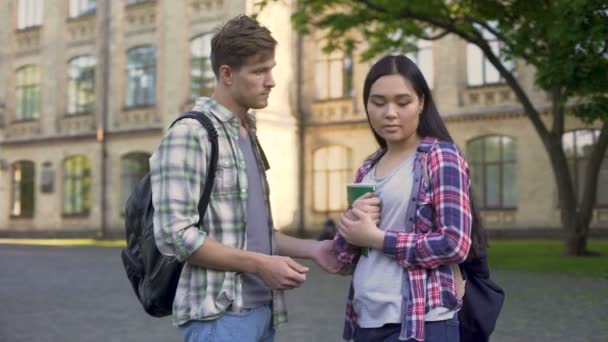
(409, 286)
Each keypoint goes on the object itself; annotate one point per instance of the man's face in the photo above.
(253, 81)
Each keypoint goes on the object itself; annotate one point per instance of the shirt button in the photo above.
(411, 219)
(243, 190)
(413, 199)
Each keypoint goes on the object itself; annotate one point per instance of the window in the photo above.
(134, 168)
(22, 195)
(82, 7)
(493, 165)
(28, 92)
(331, 172)
(424, 60)
(141, 76)
(29, 13)
(81, 85)
(578, 146)
(76, 186)
(333, 75)
(479, 69)
(202, 78)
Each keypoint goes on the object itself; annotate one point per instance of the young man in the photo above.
(236, 265)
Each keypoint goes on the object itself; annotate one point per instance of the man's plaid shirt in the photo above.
(178, 169)
(437, 234)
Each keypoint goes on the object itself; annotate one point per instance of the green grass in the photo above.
(547, 256)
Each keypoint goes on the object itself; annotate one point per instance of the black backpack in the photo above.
(482, 301)
(154, 276)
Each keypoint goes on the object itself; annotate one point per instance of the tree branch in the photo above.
(558, 110)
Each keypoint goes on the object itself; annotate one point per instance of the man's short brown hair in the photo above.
(241, 37)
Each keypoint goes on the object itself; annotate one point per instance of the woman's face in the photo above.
(394, 109)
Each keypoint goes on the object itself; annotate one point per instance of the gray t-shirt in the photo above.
(377, 279)
(255, 292)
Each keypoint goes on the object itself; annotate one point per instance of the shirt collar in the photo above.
(224, 114)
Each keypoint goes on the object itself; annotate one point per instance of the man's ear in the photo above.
(225, 73)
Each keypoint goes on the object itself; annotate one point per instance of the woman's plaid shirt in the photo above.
(178, 170)
(437, 234)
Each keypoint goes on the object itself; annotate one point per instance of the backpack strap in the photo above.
(211, 167)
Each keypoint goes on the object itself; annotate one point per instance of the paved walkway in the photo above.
(81, 294)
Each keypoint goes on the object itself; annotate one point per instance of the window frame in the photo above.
(149, 69)
(347, 73)
(123, 173)
(30, 14)
(208, 84)
(81, 8)
(577, 159)
(496, 45)
(27, 88)
(72, 96)
(86, 192)
(481, 203)
(345, 172)
(21, 184)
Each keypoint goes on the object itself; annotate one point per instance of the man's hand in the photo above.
(324, 255)
(280, 272)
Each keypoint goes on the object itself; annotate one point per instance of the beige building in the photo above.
(87, 89)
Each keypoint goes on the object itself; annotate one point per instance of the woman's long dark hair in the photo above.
(429, 125)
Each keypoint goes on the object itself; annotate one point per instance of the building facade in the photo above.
(87, 89)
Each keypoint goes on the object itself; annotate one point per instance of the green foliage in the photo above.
(565, 40)
(547, 256)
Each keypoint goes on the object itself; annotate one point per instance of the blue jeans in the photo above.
(439, 331)
(253, 325)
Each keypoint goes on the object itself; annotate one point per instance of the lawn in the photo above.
(546, 256)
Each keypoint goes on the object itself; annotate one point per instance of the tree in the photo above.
(566, 41)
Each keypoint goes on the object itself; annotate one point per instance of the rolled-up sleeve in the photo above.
(450, 241)
(178, 168)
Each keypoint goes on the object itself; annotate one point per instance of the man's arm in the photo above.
(277, 271)
(321, 252)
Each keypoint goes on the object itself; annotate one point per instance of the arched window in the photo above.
(76, 186)
(22, 192)
(202, 78)
(493, 164)
(578, 145)
(141, 76)
(134, 167)
(28, 92)
(333, 74)
(331, 172)
(81, 85)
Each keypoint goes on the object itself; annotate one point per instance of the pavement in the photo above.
(80, 293)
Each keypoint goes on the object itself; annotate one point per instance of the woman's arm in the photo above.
(450, 241)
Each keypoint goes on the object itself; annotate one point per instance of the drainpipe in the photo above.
(301, 137)
(102, 120)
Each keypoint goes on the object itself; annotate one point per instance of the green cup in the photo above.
(354, 191)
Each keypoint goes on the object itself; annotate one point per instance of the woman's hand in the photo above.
(358, 228)
(369, 204)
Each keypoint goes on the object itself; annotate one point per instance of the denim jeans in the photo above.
(253, 325)
(438, 331)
